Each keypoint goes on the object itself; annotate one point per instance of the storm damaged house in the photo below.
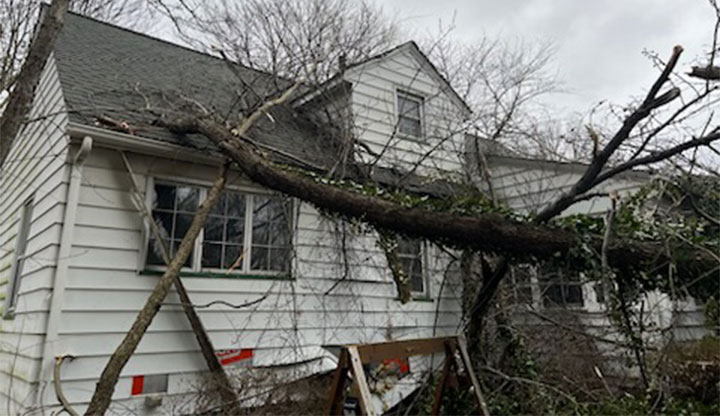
(274, 281)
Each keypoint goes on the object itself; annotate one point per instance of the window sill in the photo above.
(220, 275)
(419, 298)
(410, 137)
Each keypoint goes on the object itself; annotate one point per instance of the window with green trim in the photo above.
(244, 233)
(410, 253)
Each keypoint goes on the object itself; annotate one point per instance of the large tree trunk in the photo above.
(486, 232)
(21, 97)
(106, 385)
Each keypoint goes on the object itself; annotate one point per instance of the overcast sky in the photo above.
(599, 43)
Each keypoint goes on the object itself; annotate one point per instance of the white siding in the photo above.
(105, 291)
(528, 185)
(374, 109)
(35, 166)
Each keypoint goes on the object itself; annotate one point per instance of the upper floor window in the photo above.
(20, 258)
(244, 232)
(410, 254)
(410, 114)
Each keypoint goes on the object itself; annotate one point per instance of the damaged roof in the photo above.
(108, 72)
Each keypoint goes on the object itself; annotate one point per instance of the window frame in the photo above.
(425, 293)
(413, 96)
(23, 235)
(196, 264)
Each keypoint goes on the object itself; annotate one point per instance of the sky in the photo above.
(599, 44)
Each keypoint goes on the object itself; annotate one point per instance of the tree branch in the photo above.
(20, 99)
(489, 232)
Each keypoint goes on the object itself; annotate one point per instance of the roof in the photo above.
(415, 51)
(106, 70)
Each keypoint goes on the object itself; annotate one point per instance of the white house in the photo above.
(77, 261)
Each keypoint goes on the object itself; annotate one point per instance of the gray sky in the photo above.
(599, 43)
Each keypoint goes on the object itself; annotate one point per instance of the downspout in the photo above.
(61, 269)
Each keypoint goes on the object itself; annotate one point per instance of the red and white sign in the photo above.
(237, 358)
(145, 384)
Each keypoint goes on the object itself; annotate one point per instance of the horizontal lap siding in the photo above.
(104, 289)
(375, 115)
(527, 186)
(36, 165)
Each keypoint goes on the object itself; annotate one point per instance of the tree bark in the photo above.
(220, 378)
(106, 385)
(487, 232)
(21, 97)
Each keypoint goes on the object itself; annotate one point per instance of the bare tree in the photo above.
(307, 38)
(25, 45)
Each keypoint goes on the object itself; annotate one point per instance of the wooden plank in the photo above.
(366, 407)
(440, 389)
(372, 353)
(465, 357)
(335, 397)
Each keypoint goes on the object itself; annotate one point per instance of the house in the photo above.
(77, 260)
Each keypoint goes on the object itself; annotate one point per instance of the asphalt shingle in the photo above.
(110, 71)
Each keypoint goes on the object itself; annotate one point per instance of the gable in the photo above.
(409, 61)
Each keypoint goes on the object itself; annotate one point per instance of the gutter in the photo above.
(62, 266)
(123, 141)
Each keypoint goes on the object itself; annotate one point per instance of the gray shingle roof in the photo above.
(107, 70)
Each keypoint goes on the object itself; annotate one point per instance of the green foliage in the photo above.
(637, 405)
(655, 213)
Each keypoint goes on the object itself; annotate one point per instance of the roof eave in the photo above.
(128, 142)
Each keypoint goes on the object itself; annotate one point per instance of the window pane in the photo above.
(236, 205)
(279, 234)
(211, 255)
(280, 259)
(233, 257)
(187, 198)
(154, 255)
(164, 196)
(406, 246)
(182, 225)
(260, 208)
(410, 127)
(214, 229)
(409, 107)
(219, 207)
(573, 295)
(260, 231)
(409, 251)
(235, 230)
(165, 221)
(172, 225)
(271, 238)
(417, 283)
(259, 258)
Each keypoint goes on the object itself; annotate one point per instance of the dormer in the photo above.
(401, 112)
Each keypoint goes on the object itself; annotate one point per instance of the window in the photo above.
(409, 252)
(559, 289)
(20, 257)
(409, 114)
(523, 277)
(244, 232)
